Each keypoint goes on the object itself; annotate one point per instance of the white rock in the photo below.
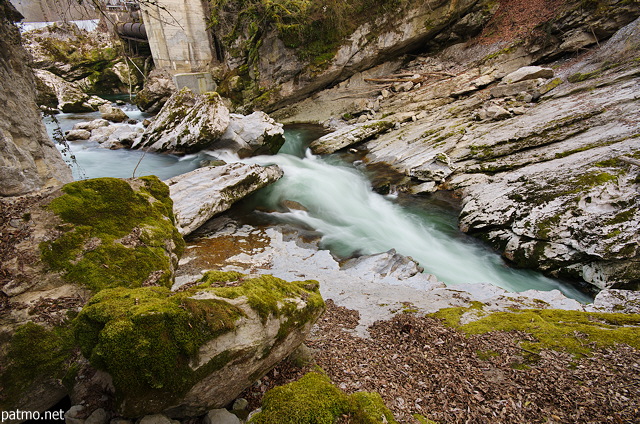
(527, 73)
(111, 113)
(253, 134)
(348, 135)
(220, 416)
(78, 135)
(91, 125)
(187, 123)
(201, 194)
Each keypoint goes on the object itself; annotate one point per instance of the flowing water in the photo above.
(336, 199)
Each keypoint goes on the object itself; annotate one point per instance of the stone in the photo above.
(496, 112)
(509, 90)
(71, 99)
(187, 123)
(73, 414)
(349, 135)
(251, 135)
(29, 161)
(528, 73)
(201, 194)
(99, 416)
(111, 113)
(155, 419)
(91, 125)
(158, 88)
(616, 301)
(95, 102)
(437, 169)
(428, 187)
(243, 404)
(78, 135)
(220, 416)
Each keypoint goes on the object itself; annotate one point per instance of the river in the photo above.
(336, 199)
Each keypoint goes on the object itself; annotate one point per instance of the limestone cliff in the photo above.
(29, 160)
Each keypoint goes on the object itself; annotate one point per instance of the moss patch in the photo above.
(147, 338)
(572, 331)
(35, 354)
(114, 235)
(314, 399)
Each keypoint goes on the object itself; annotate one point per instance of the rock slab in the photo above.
(201, 194)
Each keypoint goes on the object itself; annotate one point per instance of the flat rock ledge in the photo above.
(201, 194)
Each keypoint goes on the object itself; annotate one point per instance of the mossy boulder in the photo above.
(314, 399)
(189, 351)
(187, 123)
(114, 233)
(69, 244)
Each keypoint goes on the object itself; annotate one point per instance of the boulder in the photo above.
(91, 125)
(78, 135)
(116, 136)
(111, 113)
(62, 248)
(349, 135)
(71, 99)
(158, 88)
(250, 135)
(201, 194)
(528, 73)
(438, 169)
(220, 416)
(184, 353)
(187, 123)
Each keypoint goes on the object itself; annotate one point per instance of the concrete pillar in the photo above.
(177, 33)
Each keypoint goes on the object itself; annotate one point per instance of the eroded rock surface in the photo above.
(29, 160)
(205, 192)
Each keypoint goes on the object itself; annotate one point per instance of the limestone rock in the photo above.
(616, 301)
(158, 88)
(528, 73)
(78, 135)
(497, 112)
(220, 416)
(348, 136)
(99, 416)
(71, 98)
(116, 136)
(239, 327)
(91, 125)
(250, 135)
(85, 237)
(437, 169)
(187, 123)
(201, 194)
(509, 90)
(156, 419)
(29, 160)
(111, 113)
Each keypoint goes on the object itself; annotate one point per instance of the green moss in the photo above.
(573, 331)
(35, 354)
(621, 217)
(314, 400)
(265, 294)
(451, 316)
(98, 214)
(145, 337)
(485, 355)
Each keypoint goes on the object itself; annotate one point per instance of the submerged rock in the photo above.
(187, 123)
(201, 194)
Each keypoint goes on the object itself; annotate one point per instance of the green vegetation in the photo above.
(571, 331)
(35, 354)
(147, 338)
(114, 235)
(314, 399)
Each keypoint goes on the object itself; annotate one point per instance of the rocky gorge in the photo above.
(535, 136)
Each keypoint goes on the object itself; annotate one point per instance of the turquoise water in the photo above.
(340, 204)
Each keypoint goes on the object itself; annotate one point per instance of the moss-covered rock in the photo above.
(176, 351)
(187, 123)
(314, 399)
(114, 233)
(575, 332)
